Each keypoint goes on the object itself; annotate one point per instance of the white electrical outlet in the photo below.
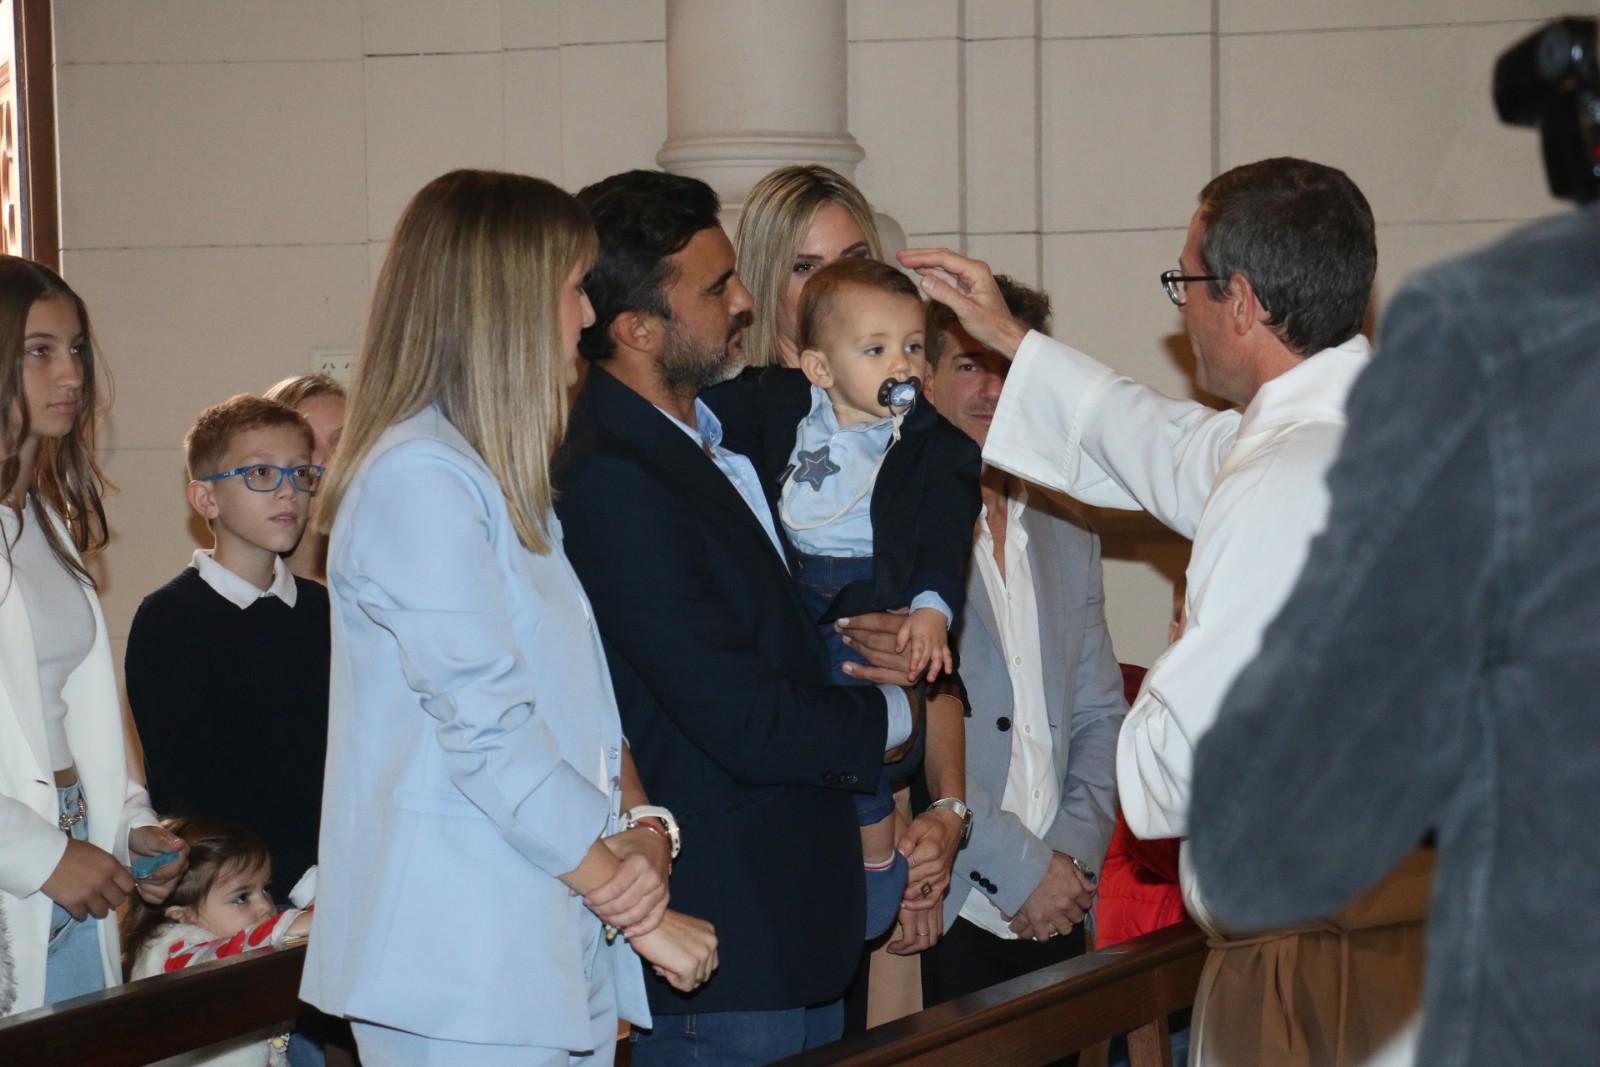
(337, 363)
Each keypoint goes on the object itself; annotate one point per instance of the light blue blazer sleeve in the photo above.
(474, 756)
(421, 545)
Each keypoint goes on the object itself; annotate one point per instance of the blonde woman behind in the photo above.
(477, 773)
(320, 398)
(796, 221)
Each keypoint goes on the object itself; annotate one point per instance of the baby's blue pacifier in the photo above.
(899, 396)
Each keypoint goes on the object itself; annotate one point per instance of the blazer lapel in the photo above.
(664, 446)
(905, 453)
(1050, 592)
(784, 399)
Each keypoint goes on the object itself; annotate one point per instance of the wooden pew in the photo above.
(1032, 1020)
(140, 1022)
(1130, 988)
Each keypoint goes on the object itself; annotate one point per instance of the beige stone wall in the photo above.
(1065, 140)
(231, 169)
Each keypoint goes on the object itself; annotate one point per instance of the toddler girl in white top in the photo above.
(220, 908)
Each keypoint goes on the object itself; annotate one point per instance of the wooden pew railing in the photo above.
(141, 1022)
(1130, 989)
(1032, 1020)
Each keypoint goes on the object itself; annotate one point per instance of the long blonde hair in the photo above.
(292, 392)
(777, 216)
(465, 316)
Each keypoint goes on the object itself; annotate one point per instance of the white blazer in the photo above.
(474, 754)
(31, 844)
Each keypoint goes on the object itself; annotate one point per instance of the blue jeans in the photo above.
(819, 579)
(736, 1038)
(73, 966)
(304, 1052)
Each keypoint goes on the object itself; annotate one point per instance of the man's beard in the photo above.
(689, 364)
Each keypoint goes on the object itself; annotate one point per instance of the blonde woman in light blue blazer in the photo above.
(481, 897)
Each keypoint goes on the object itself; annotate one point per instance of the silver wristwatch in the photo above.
(960, 810)
(632, 817)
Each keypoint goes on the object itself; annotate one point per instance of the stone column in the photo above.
(758, 84)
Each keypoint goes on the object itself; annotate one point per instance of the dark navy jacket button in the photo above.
(849, 779)
(1004, 723)
(976, 877)
(827, 776)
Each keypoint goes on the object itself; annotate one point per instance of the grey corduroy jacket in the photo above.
(1437, 669)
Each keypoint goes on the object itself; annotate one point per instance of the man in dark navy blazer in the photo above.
(720, 676)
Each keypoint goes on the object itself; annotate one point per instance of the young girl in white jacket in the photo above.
(72, 819)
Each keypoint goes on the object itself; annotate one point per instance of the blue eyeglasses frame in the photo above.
(294, 474)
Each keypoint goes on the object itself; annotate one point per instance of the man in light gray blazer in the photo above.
(1046, 703)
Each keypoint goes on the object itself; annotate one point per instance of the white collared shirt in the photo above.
(1033, 789)
(236, 590)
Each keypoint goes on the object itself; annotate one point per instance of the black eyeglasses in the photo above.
(265, 478)
(1176, 283)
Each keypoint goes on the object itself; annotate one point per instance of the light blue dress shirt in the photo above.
(738, 469)
(742, 473)
(835, 517)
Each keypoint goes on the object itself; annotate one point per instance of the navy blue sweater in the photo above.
(232, 709)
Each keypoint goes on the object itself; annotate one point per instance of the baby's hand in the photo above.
(301, 927)
(925, 632)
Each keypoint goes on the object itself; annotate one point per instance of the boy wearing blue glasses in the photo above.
(227, 664)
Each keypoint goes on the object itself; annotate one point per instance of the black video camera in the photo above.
(1550, 80)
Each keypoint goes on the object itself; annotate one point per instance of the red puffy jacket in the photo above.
(1139, 880)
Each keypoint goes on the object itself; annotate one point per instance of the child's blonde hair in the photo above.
(822, 292)
(208, 440)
